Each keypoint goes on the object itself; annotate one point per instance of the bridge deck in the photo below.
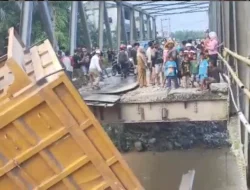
(119, 102)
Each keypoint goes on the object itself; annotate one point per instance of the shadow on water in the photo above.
(215, 169)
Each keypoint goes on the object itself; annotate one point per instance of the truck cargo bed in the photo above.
(49, 137)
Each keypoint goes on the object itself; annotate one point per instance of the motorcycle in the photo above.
(116, 68)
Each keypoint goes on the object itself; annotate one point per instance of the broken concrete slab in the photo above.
(219, 87)
(159, 94)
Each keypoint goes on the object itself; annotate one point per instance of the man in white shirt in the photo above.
(95, 70)
(67, 64)
(150, 54)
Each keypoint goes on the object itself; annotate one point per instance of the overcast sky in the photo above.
(187, 21)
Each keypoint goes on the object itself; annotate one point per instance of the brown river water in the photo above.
(215, 169)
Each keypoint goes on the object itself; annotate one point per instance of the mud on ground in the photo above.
(168, 136)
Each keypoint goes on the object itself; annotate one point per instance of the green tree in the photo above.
(187, 34)
(9, 16)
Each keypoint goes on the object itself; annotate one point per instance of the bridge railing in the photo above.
(226, 53)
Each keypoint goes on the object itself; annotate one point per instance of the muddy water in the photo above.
(215, 169)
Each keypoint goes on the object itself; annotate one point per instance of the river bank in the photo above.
(161, 137)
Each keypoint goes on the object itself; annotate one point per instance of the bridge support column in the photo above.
(118, 27)
(141, 26)
(101, 21)
(154, 29)
(123, 29)
(107, 25)
(47, 22)
(85, 25)
(73, 26)
(149, 33)
(26, 22)
(132, 27)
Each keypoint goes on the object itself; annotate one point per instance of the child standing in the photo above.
(194, 69)
(203, 71)
(179, 62)
(185, 71)
(171, 72)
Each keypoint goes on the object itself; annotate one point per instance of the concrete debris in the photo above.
(219, 87)
(159, 94)
(171, 136)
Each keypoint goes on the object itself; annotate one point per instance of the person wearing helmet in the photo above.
(188, 51)
(123, 60)
(95, 70)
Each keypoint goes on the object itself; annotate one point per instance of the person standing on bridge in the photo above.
(150, 54)
(134, 54)
(203, 71)
(171, 71)
(169, 48)
(142, 62)
(212, 47)
(95, 70)
(123, 60)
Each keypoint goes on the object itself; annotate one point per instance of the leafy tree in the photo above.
(9, 16)
(187, 34)
(10, 13)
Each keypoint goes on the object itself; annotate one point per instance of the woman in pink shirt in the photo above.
(212, 47)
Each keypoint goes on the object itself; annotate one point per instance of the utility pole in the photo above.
(169, 26)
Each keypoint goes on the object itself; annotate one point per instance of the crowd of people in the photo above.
(188, 64)
(169, 64)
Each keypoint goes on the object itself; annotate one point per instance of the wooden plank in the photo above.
(187, 181)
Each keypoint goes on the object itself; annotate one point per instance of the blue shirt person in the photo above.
(170, 72)
(203, 69)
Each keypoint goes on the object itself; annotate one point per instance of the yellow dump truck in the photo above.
(49, 139)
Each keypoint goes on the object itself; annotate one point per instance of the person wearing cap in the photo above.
(95, 70)
(169, 48)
